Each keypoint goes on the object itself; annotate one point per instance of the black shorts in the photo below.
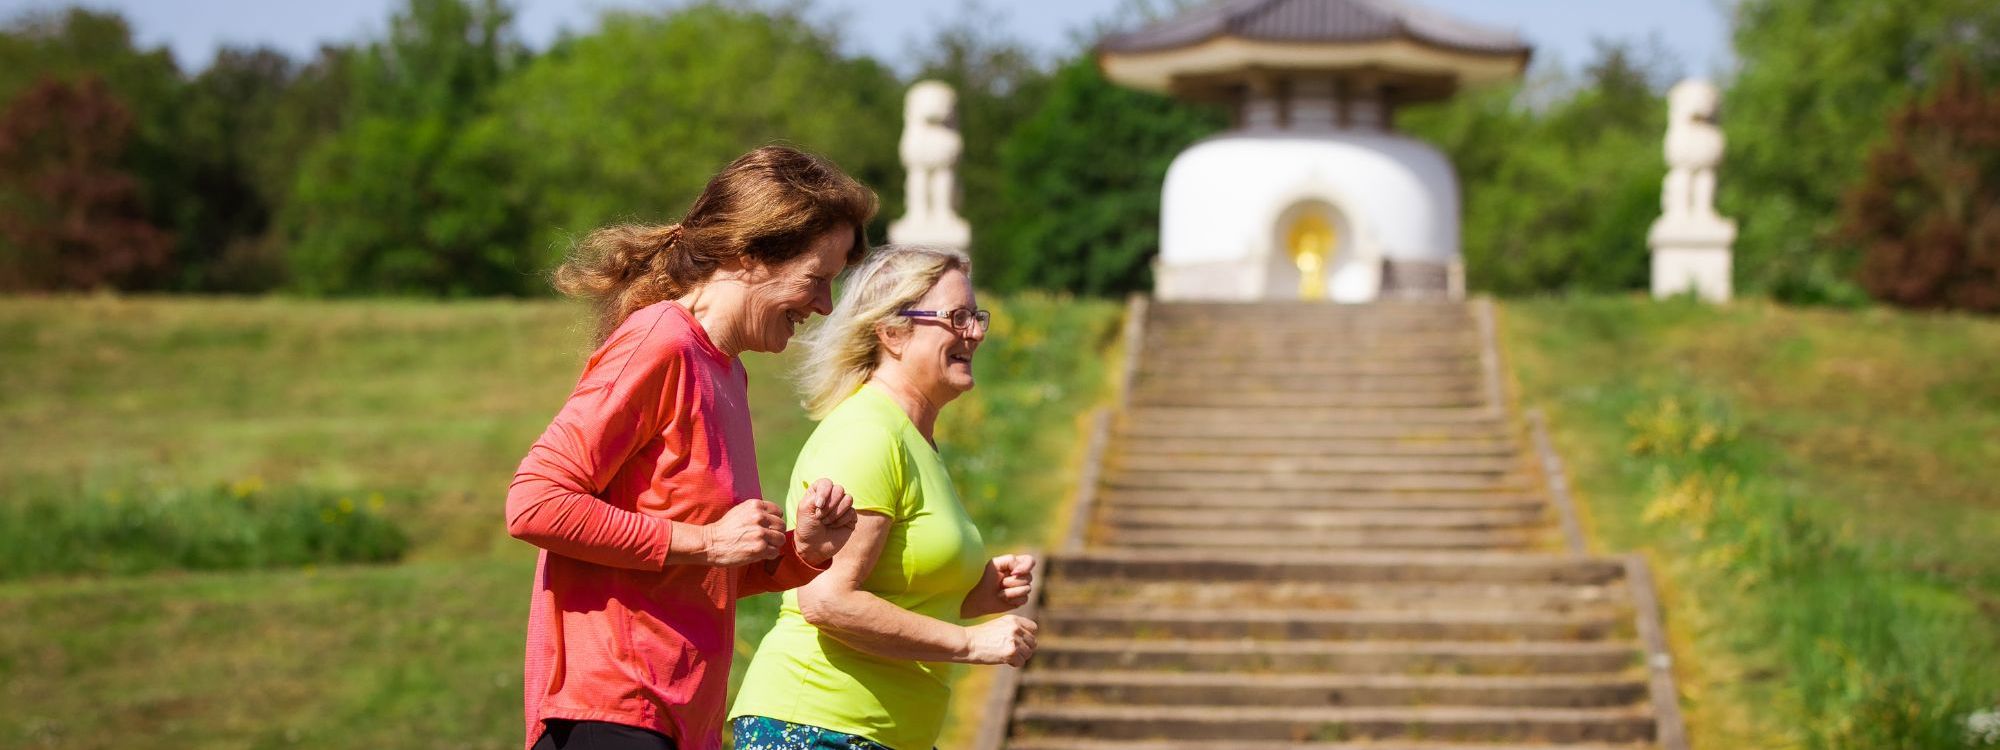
(559, 734)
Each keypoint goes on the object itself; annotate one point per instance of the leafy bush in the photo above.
(1876, 654)
(61, 528)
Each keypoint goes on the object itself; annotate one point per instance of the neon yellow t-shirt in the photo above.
(931, 559)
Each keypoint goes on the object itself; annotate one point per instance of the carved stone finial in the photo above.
(930, 148)
(1690, 240)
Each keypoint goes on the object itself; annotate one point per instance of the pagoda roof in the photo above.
(1301, 35)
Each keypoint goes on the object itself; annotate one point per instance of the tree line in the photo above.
(447, 158)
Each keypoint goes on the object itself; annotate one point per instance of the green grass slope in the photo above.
(142, 432)
(1820, 488)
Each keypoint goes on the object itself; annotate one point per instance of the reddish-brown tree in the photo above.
(70, 216)
(1927, 210)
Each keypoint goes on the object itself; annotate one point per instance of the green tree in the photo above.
(1558, 198)
(1082, 178)
(395, 201)
(228, 117)
(631, 121)
(1817, 83)
(1000, 85)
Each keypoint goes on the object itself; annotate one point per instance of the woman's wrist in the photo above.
(688, 544)
(961, 651)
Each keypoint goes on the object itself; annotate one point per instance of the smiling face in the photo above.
(782, 296)
(935, 357)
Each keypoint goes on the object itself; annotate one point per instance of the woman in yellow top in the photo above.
(864, 656)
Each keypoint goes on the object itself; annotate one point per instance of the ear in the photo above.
(745, 268)
(892, 339)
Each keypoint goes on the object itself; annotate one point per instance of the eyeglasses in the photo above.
(960, 319)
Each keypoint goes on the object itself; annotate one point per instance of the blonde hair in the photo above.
(769, 204)
(841, 352)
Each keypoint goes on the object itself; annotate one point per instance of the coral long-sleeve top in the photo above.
(655, 436)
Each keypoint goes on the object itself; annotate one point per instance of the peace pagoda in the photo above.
(1312, 194)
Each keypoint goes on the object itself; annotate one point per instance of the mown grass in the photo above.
(416, 413)
(1819, 488)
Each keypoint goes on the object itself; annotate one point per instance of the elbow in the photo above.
(523, 522)
(519, 528)
(815, 610)
(819, 607)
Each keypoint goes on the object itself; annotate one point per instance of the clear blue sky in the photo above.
(1694, 31)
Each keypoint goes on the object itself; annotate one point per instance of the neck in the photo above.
(921, 407)
(719, 310)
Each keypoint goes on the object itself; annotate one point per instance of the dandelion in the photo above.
(346, 506)
(247, 486)
(375, 502)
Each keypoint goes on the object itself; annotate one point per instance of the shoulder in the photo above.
(854, 426)
(660, 327)
(654, 338)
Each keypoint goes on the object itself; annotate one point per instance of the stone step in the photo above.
(1495, 465)
(1314, 313)
(1415, 597)
(1277, 357)
(1152, 366)
(1325, 349)
(1332, 335)
(1307, 624)
(1274, 416)
(1140, 426)
(1317, 500)
(1049, 686)
(1301, 317)
(1233, 724)
(1235, 519)
(1293, 657)
(1079, 743)
(1343, 447)
(1234, 321)
(1280, 565)
(1252, 539)
(1169, 378)
(1327, 481)
(1330, 399)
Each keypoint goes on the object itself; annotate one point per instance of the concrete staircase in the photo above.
(1319, 526)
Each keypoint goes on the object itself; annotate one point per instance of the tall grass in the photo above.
(1818, 489)
(1874, 653)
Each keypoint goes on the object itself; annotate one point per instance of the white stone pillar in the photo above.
(1690, 241)
(930, 149)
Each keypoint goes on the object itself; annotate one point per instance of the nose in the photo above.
(823, 298)
(974, 332)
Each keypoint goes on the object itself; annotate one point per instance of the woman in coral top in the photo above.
(643, 492)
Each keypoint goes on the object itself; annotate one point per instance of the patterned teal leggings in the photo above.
(760, 733)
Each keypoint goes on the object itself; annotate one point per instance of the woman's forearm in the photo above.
(869, 623)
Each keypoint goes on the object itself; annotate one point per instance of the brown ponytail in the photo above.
(769, 204)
